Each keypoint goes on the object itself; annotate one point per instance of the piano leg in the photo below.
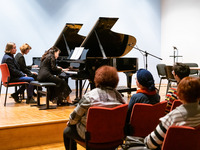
(129, 81)
(79, 89)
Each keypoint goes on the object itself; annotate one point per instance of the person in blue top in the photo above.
(146, 92)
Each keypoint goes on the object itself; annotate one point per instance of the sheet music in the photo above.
(77, 53)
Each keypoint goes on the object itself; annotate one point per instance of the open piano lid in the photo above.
(69, 38)
(113, 44)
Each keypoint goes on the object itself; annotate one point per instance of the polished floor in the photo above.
(22, 113)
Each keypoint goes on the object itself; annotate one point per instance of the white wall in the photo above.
(180, 22)
(39, 23)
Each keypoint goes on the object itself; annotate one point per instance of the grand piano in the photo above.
(101, 47)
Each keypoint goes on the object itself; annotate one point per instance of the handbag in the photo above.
(133, 141)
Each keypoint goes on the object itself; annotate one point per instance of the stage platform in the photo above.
(23, 126)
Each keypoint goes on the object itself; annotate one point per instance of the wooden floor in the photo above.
(21, 114)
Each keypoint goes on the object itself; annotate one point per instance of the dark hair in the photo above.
(52, 50)
(189, 89)
(106, 76)
(181, 70)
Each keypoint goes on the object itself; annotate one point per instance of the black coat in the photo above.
(13, 66)
(21, 61)
(47, 72)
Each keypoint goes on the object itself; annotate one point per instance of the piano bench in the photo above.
(46, 85)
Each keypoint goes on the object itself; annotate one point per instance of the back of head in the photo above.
(9, 47)
(145, 78)
(106, 76)
(25, 47)
(181, 70)
(189, 89)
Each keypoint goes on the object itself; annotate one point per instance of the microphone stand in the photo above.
(145, 54)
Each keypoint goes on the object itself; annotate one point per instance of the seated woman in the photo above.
(19, 57)
(145, 94)
(47, 72)
(105, 95)
(187, 114)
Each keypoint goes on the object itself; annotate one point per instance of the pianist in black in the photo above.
(105, 95)
(49, 73)
(19, 57)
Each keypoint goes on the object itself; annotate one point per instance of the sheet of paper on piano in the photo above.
(77, 53)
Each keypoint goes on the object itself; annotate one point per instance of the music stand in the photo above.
(175, 56)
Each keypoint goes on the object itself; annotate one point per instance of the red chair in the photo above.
(175, 104)
(182, 137)
(105, 127)
(145, 118)
(5, 80)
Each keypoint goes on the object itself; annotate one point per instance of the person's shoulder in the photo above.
(139, 95)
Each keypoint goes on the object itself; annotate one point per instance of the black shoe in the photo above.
(15, 97)
(30, 101)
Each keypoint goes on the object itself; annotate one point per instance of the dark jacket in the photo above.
(48, 69)
(13, 66)
(21, 61)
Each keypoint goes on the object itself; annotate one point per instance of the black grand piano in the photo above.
(101, 47)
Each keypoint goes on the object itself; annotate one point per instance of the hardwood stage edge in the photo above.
(27, 135)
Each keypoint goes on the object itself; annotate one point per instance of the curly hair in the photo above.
(25, 47)
(52, 50)
(106, 76)
(189, 89)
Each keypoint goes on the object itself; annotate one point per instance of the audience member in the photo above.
(47, 72)
(105, 95)
(180, 71)
(187, 114)
(16, 74)
(146, 93)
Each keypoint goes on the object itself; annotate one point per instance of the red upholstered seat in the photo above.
(175, 104)
(5, 80)
(105, 127)
(145, 118)
(182, 137)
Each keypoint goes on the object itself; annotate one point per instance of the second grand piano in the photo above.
(101, 47)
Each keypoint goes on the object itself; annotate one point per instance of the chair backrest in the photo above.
(175, 104)
(106, 125)
(168, 70)
(145, 118)
(192, 72)
(161, 69)
(182, 137)
(5, 73)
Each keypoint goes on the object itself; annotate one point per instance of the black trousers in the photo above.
(69, 134)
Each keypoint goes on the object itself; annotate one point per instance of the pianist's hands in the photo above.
(66, 69)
